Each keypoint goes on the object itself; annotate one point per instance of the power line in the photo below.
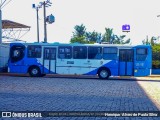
(3, 5)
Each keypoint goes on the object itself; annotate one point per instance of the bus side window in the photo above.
(79, 52)
(46, 54)
(141, 54)
(94, 53)
(110, 53)
(65, 52)
(34, 51)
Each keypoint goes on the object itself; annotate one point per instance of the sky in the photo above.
(96, 15)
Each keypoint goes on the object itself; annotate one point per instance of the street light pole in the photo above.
(37, 10)
(44, 4)
(37, 24)
(45, 26)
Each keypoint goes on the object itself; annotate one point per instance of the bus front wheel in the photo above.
(34, 72)
(103, 73)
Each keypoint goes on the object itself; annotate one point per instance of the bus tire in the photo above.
(103, 73)
(34, 72)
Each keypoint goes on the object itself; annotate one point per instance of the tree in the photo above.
(145, 42)
(156, 56)
(80, 31)
(109, 37)
(93, 37)
(152, 41)
(78, 40)
(79, 34)
(120, 40)
(155, 51)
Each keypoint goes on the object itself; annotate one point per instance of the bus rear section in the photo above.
(143, 60)
(136, 61)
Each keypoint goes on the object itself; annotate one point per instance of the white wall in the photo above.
(4, 55)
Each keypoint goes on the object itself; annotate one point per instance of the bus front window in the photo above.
(16, 53)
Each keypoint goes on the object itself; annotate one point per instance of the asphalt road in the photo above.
(79, 94)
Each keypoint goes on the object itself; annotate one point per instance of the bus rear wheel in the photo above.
(103, 74)
(34, 72)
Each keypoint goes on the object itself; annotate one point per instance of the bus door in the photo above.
(126, 65)
(49, 60)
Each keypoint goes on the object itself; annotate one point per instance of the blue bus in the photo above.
(104, 60)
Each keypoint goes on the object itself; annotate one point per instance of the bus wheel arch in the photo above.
(34, 71)
(104, 73)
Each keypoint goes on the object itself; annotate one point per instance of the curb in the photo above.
(152, 77)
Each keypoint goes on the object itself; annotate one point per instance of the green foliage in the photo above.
(120, 40)
(155, 51)
(79, 40)
(107, 35)
(81, 36)
(93, 36)
(80, 31)
(156, 56)
(146, 42)
(155, 64)
(152, 41)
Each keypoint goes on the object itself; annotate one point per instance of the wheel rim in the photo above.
(104, 74)
(34, 71)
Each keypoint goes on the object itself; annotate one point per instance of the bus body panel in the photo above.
(65, 66)
(143, 65)
(130, 68)
(122, 68)
(112, 65)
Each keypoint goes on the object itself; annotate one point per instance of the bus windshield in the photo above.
(16, 53)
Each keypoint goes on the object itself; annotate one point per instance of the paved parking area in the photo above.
(73, 94)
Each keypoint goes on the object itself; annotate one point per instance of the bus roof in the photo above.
(78, 44)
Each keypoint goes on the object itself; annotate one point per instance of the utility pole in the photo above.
(45, 25)
(44, 4)
(37, 25)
